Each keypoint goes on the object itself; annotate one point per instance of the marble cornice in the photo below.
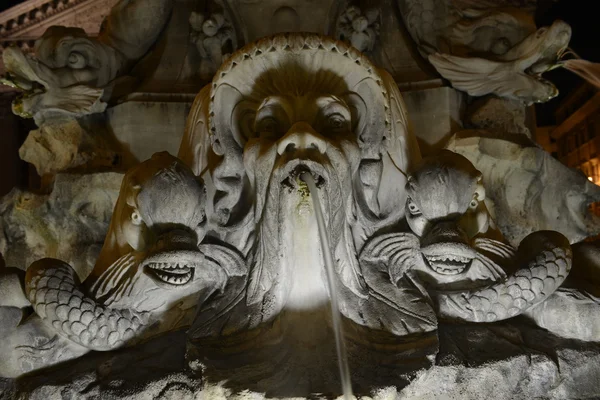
(23, 24)
(32, 12)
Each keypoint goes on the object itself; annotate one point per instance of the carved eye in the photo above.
(474, 203)
(337, 123)
(412, 207)
(267, 125)
(540, 32)
(136, 218)
(500, 46)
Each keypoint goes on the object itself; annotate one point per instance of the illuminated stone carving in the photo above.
(487, 50)
(223, 241)
(149, 276)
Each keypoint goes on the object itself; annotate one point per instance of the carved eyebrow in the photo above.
(277, 106)
(332, 105)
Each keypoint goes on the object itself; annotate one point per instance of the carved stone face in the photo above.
(296, 134)
(283, 106)
(154, 232)
(445, 210)
(292, 135)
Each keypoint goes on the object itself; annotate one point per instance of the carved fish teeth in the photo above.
(171, 272)
(448, 258)
(447, 264)
(170, 267)
(175, 279)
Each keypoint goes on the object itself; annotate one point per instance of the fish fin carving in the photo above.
(479, 76)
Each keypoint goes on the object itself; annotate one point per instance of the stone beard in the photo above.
(284, 106)
(288, 260)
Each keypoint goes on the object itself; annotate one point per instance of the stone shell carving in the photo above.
(388, 118)
(305, 108)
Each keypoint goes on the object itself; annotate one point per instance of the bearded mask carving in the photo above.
(283, 106)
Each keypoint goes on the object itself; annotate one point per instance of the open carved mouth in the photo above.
(293, 169)
(448, 258)
(172, 268)
(556, 48)
(173, 273)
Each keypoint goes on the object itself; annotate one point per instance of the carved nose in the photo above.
(301, 136)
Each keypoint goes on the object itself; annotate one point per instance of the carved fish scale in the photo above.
(52, 287)
(506, 299)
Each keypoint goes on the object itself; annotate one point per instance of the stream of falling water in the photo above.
(335, 311)
(587, 70)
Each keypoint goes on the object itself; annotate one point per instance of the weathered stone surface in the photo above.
(69, 224)
(66, 144)
(498, 115)
(496, 361)
(146, 127)
(154, 370)
(527, 189)
(435, 114)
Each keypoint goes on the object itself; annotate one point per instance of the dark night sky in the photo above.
(584, 19)
(4, 4)
(580, 14)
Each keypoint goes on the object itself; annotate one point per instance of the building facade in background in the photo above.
(575, 140)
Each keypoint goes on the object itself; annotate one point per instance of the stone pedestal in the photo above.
(435, 115)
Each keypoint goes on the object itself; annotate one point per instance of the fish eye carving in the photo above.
(412, 207)
(136, 218)
(474, 203)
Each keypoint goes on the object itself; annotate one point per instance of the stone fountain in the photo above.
(213, 279)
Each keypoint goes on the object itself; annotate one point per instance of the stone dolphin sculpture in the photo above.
(468, 277)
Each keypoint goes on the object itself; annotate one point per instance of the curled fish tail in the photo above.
(550, 262)
(53, 289)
